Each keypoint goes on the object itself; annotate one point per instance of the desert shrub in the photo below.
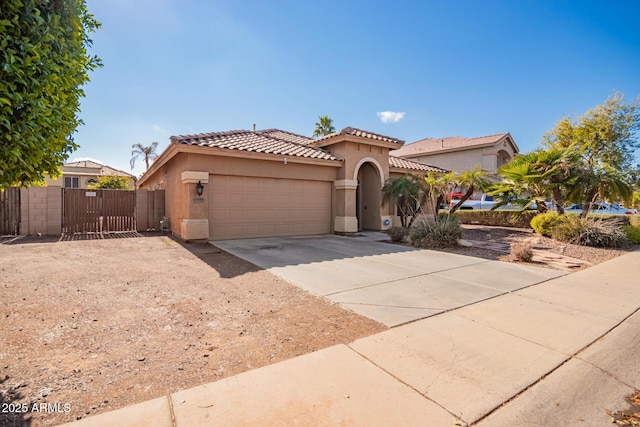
(590, 232)
(496, 218)
(619, 219)
(522, 251)
(397, 234)
(633, 233)
(545, 222)
(440, 233)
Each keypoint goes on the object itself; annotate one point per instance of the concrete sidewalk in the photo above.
(558, 353)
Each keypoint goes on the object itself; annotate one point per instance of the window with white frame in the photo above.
(71, 182)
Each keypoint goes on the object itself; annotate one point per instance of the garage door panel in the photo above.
(253, 215)
(217, 215)
(234, 198)
(245, 207)
(235, 185)
(284, 214)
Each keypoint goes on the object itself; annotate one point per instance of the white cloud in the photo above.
(390, 116)
(158, 129)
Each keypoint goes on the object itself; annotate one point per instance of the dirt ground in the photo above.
(92, 326)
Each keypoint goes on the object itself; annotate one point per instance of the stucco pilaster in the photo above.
(345, 196)
(345, 224)
(195, 224)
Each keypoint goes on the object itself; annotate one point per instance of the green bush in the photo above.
(545, 222)
(590, 232)
(633, 233)
(496, 218)
(397, 234)
(430, 233)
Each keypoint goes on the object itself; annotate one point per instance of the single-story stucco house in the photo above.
(244, 184)
(83, 173)
(459, 154)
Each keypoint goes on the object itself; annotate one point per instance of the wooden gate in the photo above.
(98, 211)
(10, 211)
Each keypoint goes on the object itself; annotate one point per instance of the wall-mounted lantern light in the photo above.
(199, 188)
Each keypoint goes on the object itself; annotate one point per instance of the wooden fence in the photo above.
(98, 211)
(10, 211)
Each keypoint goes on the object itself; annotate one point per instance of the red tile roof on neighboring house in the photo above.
(271, 141)
(452, 143)
(397, 162)
(362, 134)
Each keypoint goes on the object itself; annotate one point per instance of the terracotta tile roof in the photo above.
(88, 164)
(83, 164)
(257, 142)
(287, 136)
(397, 162)
(363, 134)
(452, 143)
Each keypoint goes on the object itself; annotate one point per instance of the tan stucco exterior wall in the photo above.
(343, 177)
(168, 178)
(485, 157)
(188, 211)
(350, 187)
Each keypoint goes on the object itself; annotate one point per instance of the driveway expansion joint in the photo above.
(401, 381)
(573, 356)
(174, 423)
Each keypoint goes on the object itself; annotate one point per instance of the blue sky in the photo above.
(465, 68)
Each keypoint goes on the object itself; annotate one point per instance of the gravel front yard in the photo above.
(92, 326)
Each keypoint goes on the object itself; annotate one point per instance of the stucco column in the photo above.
(195, 224)
(345, 220)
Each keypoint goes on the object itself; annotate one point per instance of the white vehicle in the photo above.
(486, 202)
(603, 208)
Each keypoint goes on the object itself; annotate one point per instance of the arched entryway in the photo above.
(503, 158)
(368, 197)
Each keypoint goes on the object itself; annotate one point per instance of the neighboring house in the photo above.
(244, 184)
(84, 173)
(458, 154)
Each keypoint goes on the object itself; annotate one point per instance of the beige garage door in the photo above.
(245, 207)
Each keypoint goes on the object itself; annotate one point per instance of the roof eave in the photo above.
(226, 152)
(354, 138)
(176, 148)
(402, 170)
(158, 162)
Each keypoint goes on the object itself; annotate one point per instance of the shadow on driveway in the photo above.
(288, 251)
(389, 283)
(226, 264)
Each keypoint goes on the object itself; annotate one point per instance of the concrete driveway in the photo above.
(389, 283)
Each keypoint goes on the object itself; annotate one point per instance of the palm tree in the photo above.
(148, 153)
(521, 185)
(406, 193)
(537, 176)
(472, 180)
(599, 183)
(324, 127)
(436, 187)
